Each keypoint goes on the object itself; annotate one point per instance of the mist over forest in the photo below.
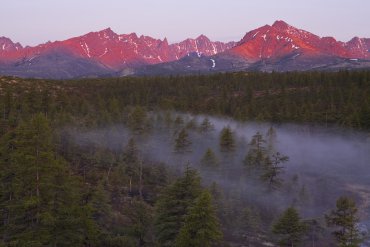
(257, 159)
(324, 162)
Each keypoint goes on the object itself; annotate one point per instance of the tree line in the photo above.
(326, 98)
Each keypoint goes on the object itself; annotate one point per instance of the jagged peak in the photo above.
(329, 39)
(202, 37)
(108, 31)
(6, 39)
(133, 34)
(282, 26)
(279, 24)
(355, 39)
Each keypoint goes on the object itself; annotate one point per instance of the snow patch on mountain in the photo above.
(254, 35)
(86, 49)
(213, 63)
(105, 52)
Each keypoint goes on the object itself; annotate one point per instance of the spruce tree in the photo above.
(140, 225)
(344, 218)
(290, 228)
(257, 156)
(227, 142)
(206, 125)
(173, 206)
(182, 141)
(250, 223)
(273, 168)
(137, 120)
(209, 158)
(201, 227)
(132, 163)
(40, 201)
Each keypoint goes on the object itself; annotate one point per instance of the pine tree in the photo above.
(140, 216)
(227, 142)
(273, 168)
(257, 155)
(290, 228)
(133, 164)
(173, 206)
(344, 218)
(40, 204)
(201, 227)
(206, 125)
(131, 152)
(137, 120)
(191, 124)
(209, 159)
(314, 231)
(250, 222)
(182, 142)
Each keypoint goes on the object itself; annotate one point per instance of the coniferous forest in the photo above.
(238, 159)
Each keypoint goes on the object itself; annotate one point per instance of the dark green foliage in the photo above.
(315, 231)
(201, 227)
(209, 158)
(39, 199)
(290, 228)
(182, 141)
(251, 223)
(316, 97)
(261, 161)
(227, 142)
(257, 156)
(140, 225)
(173, 206)
(273, 168)
(206, 125)
(344, 219)
(137, 119)
(84, 200)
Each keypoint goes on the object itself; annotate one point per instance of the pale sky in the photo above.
(32, 22)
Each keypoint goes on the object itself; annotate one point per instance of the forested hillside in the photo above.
(138, 162)
(340, 98)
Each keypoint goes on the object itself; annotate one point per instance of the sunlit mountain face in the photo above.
(279, 47)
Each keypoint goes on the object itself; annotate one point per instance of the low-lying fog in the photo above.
(324, 163)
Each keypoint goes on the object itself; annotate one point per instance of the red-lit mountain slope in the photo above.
(279, 47)
(114, 51)
(281, 39)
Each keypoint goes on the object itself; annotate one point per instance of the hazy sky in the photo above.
(32, 22)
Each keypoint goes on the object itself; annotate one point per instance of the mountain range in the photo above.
(277, 47)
